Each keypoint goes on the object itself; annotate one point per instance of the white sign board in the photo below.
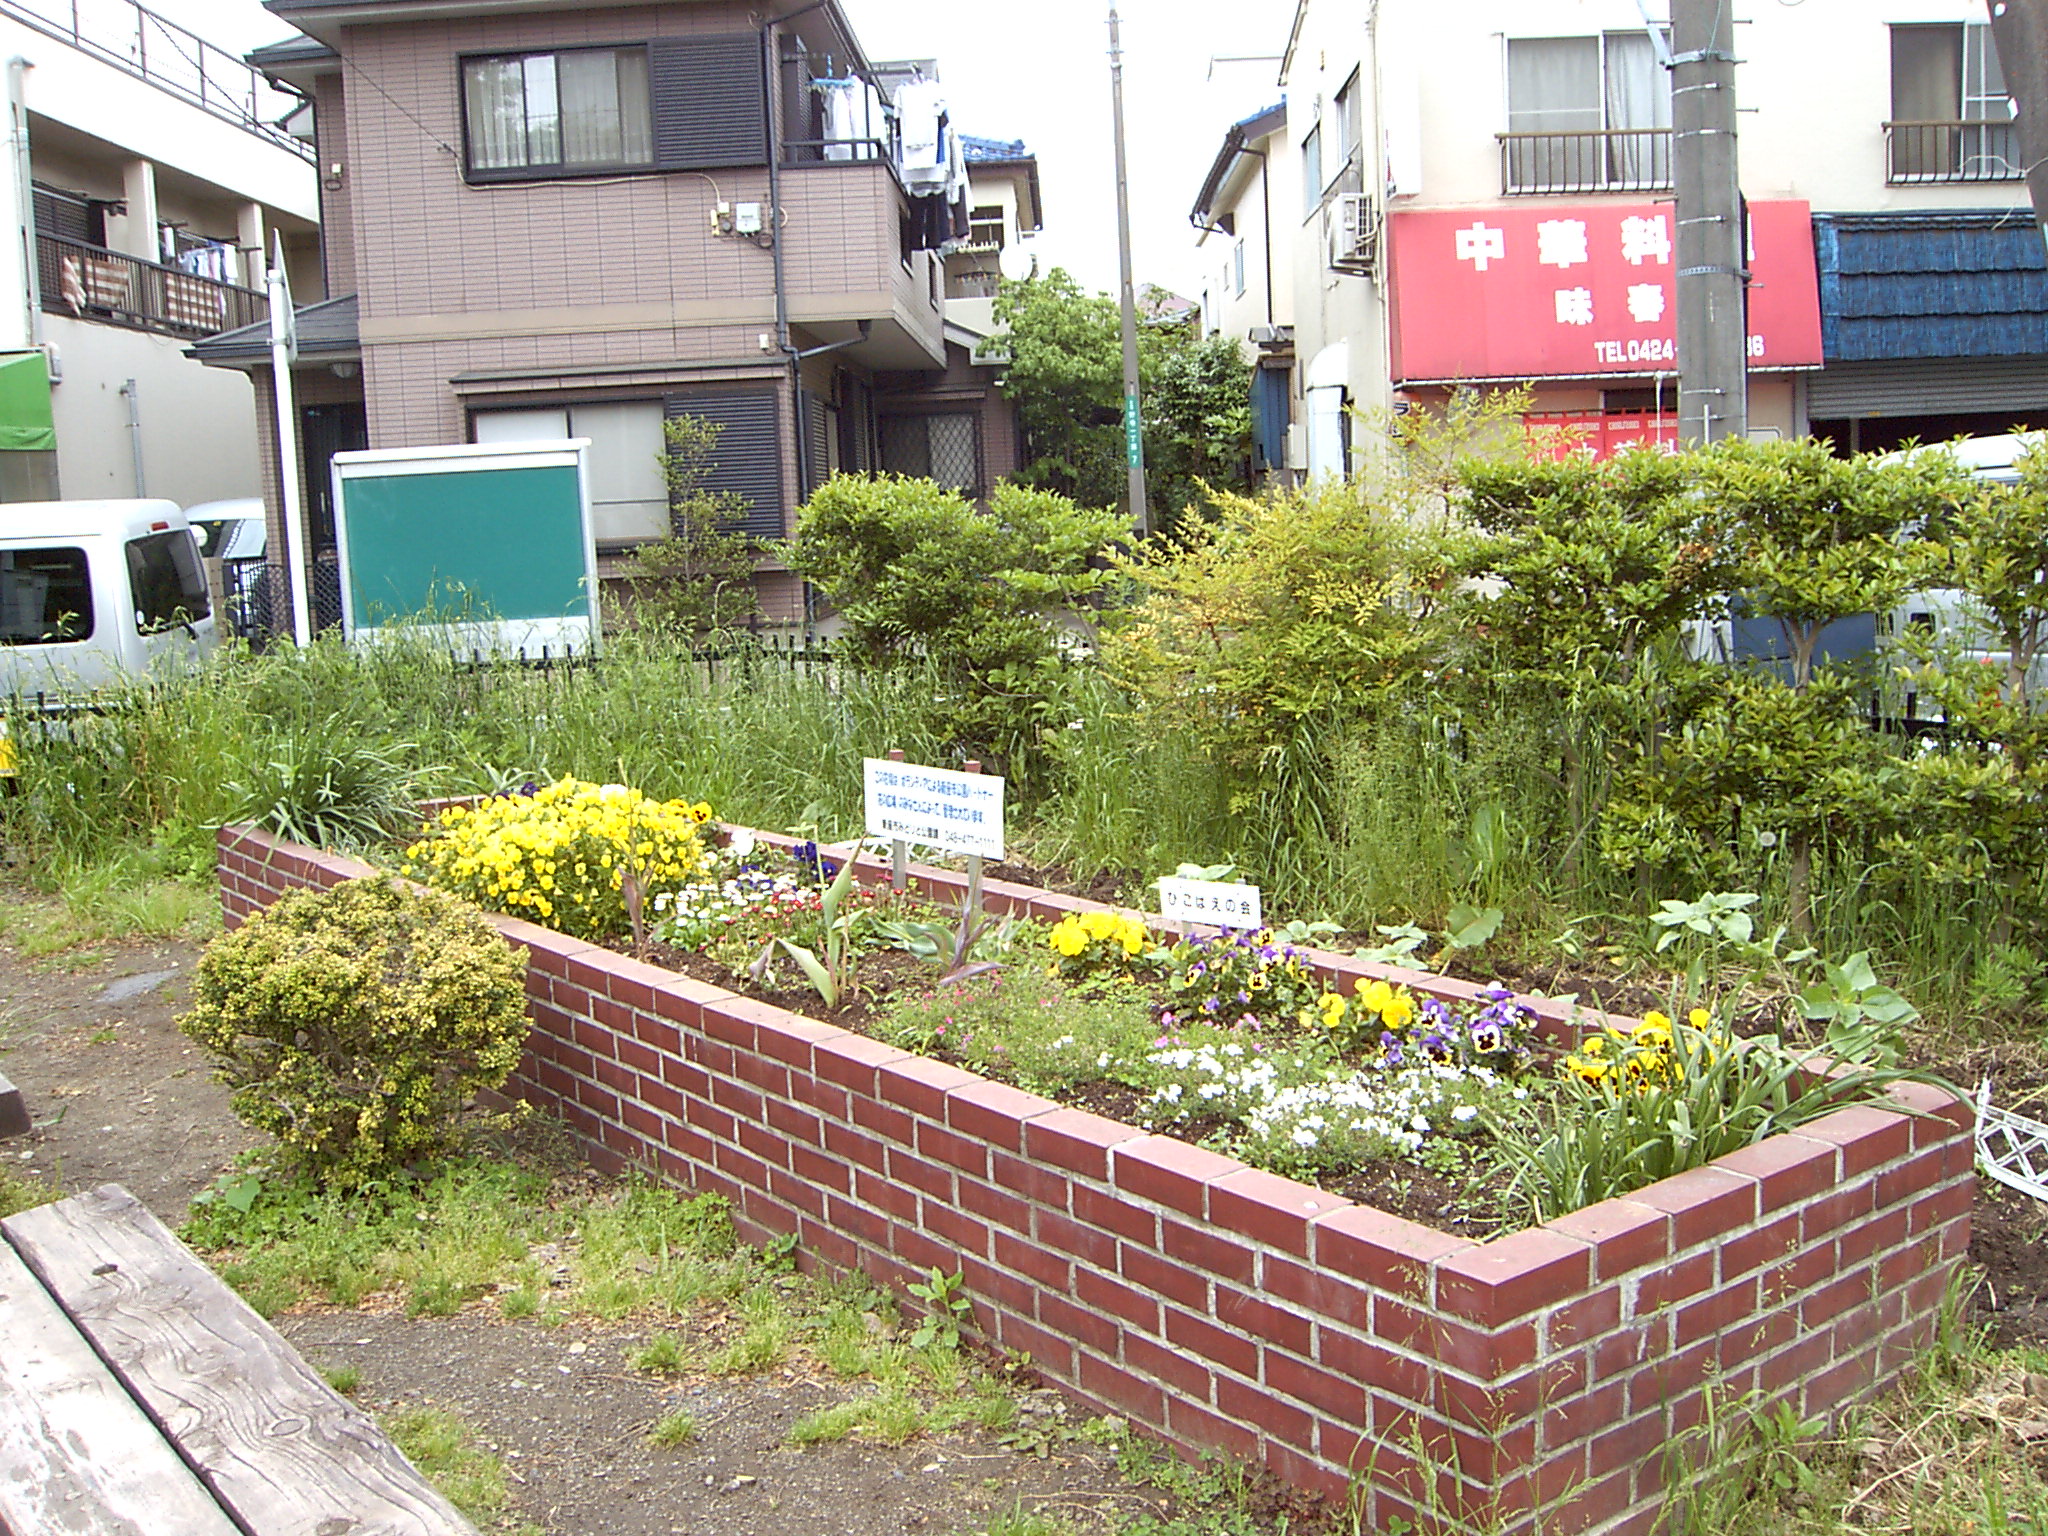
(960, 812)
(1209, 901)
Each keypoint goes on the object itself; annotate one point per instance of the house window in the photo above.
(1951, 116)
(45, 596)
(623, 465)
(945, 448)
(1586, 114)
(676, 103)
(985, 228)
(1312, 170)
(1237, 269)
(586, 109)
(1346, 124)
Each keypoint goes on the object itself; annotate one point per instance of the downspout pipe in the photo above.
(24, 208)
(771, 82)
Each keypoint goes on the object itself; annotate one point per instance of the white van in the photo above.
(1947, 614)
(94, 591)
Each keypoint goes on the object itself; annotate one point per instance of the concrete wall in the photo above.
(198, 424)
(1520, 1384)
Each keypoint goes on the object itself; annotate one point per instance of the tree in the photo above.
(1066, 378)
(917, 571)
(700, 578)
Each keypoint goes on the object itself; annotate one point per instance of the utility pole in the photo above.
(2019, 30)
(1134, 427)
(1713, 315)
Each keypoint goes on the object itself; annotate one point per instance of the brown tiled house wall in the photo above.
(1533, 1378)
(580, 275)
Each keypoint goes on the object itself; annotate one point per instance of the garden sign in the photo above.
(940, 807)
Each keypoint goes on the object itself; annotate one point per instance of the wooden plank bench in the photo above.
(140, 1396)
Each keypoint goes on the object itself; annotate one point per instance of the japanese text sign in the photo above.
(1209, 901)
(959, 812)
(1572, 290)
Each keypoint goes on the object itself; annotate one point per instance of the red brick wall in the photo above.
(1538, 1375)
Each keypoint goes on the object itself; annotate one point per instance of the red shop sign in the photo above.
(1572, 290)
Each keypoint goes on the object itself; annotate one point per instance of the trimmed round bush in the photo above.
(353, 1024)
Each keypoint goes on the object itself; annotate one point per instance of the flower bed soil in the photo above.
(1527, 1381)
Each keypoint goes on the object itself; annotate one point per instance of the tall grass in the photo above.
(1480, 798)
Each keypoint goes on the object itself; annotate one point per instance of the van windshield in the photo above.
(45, 596)
(169, 584)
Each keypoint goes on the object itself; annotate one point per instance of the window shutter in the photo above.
(747, 458)
(710, 102)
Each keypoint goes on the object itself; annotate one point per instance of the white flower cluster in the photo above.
(692, 913)
(1215, 1079)
(1390, 1111)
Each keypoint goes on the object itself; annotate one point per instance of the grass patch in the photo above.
(446, 1451)
(673, 1430)
(22, 1192)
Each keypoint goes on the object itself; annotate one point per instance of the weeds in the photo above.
(445, 1450)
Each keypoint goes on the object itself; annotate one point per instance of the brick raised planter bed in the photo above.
(1530, 1381)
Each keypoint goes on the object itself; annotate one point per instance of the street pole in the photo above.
(284, 351)
(2019, 29)
(1713, 318)
(1134, 431)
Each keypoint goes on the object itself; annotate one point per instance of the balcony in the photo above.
(132, 38)
(1605, 160)
(88, 282)
(1923, 152)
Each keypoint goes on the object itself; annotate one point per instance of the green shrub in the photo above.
(353, 1023)
(1029, 1029)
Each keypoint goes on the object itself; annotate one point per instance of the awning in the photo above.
(26, 425)
(1931, 284)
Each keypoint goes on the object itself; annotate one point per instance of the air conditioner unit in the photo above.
(1354, 232)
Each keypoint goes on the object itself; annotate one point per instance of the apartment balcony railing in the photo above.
(1915, 153)
(973, 285)
(1608, 160)
(135, 39)
(91, 283)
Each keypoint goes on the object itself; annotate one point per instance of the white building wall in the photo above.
(111, 134)
(72, 87)
(1814, 89)
(198, 424)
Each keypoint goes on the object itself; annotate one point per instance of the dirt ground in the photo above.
(118, 1095)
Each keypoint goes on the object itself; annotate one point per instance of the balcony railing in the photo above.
(91, 283)
(133, 38)
(1609, 160)
(973, 285)
(1951, 151)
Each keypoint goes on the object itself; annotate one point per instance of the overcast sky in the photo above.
(1039, 71)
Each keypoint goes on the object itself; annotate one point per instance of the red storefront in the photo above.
(1579, 300)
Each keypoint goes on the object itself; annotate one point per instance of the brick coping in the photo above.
(1524, 1379)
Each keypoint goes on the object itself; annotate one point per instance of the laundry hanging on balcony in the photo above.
(208, 259)
(933, 165)
(856, 121)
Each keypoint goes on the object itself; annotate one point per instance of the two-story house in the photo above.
(581, 217)
(146, 176)
(1245, 206)
(1486, 197)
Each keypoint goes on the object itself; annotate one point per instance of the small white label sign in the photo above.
(940, 807)
(1209, 901)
